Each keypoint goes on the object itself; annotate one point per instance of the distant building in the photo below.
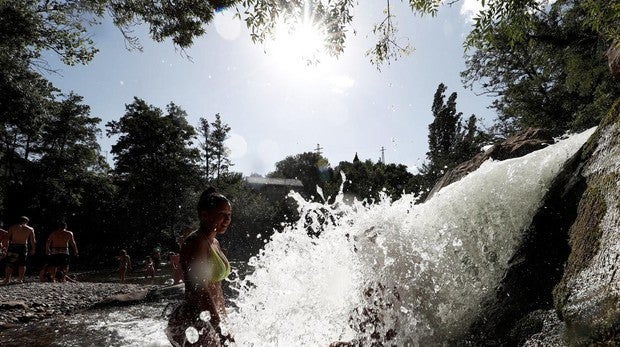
(273, 188)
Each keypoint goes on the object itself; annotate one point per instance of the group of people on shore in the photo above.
(19, 242)
(151, 265)
(201, 265)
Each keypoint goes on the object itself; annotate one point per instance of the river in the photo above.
(390, 271)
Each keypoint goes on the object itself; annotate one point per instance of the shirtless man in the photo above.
(175, 263)
(57, 250)
(4, 240)
(20, 237)
(124, 264)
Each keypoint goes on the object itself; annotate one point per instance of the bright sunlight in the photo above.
(299, 48)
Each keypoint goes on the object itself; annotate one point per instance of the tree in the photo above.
(68, 155)
(311, 168)
(217, 152)
(334, 18)
(450, 141)
(555, 76)
(156, 170)
(205, 136)
(366, 180)
(48, 158)
(214, 151)
(54, 169)
(62, 26)
(443, 131)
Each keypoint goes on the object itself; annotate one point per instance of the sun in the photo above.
(299, 48)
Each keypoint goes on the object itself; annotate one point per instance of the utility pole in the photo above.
(318, 149)
(383, 154)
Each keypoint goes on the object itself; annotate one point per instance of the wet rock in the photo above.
(12, 305)
(150, 294)
(167, 292)
(528, 326)
(123, 299)
(569, 261)
(535, 268)
(27, 317)
(528, 141)
(551, 334)
(588, 295)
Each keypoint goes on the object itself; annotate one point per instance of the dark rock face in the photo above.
(535, 268)
(588, 295)
(568, 262)
(516, 146)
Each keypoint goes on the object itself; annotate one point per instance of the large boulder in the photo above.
(568, 260)
(528, 141)
(507, 316)
(155, 293)
(587, 298)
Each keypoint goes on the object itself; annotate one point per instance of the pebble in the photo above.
(25, 302)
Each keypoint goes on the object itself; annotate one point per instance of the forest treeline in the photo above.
(553, 75)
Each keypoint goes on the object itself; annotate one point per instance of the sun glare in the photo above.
(299, 49)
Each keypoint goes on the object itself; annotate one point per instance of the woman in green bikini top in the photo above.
(204, 267)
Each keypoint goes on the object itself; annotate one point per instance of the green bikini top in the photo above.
(220, 266)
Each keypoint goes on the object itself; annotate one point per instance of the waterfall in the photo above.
(409, 273)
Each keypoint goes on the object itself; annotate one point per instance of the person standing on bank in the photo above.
(20, 237)
(57, 250)
(124, 264)
(204, 267)
(4, 239)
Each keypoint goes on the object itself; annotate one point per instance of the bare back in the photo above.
(60, 240)
(21, 234)
(4, 238)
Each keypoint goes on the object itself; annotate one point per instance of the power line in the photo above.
(383, 154)
(318, 149)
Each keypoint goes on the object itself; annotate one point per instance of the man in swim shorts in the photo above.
(21, 235)
(4, 240)
(57, 250)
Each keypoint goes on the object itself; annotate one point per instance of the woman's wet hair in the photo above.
(210, 198)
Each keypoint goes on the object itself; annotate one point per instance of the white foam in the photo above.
(435, 261)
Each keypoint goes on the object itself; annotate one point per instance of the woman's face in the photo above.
(218, 218)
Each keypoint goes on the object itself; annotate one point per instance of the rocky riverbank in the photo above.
(31, 301)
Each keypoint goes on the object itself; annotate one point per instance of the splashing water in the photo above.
(409, 273)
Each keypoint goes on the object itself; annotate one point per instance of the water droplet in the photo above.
(191, 335)
(205, 316)
(224, 328)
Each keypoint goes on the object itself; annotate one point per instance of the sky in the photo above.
(278, 106)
